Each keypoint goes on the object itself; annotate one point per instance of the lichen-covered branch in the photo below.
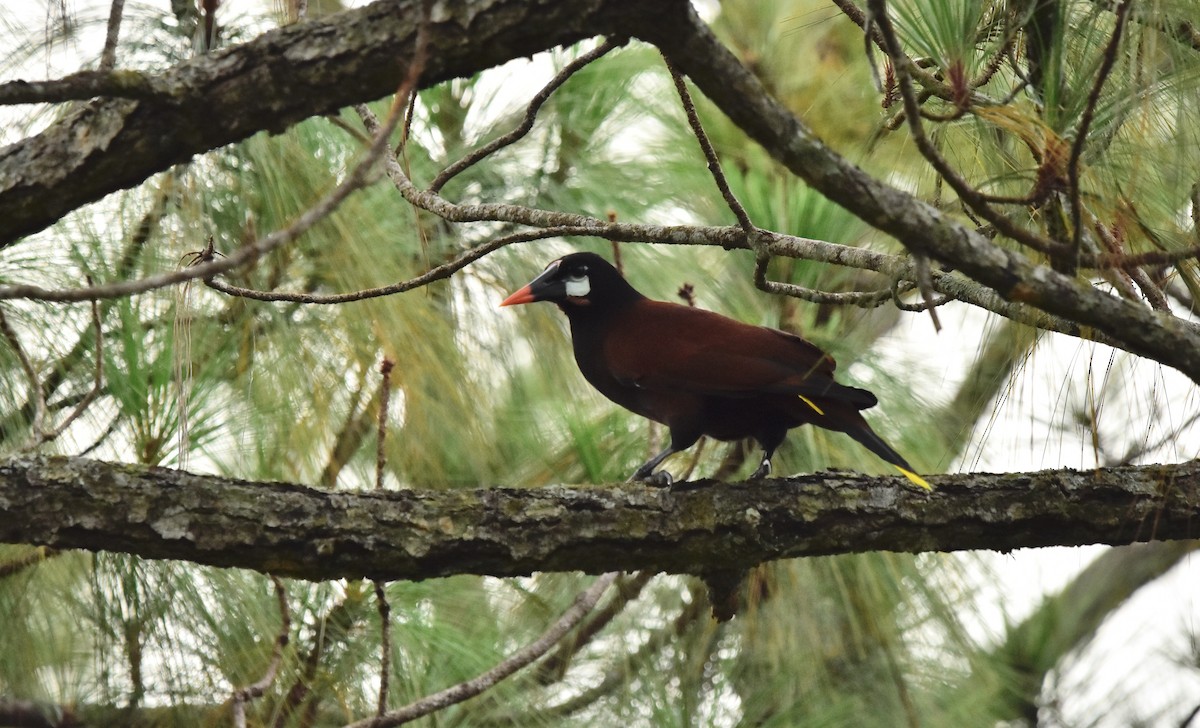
(698, 527)
(922, 228)
(278, 79)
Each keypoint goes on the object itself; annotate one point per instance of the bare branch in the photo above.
(31, 376)
(385, 393)
(628, 588)
(124, 84)
(621, 670)
(247, 254)
(441, 272)
(1081, 134)
(257, 689)
(385, 645)
(526, 124)
(710, 154)
(583, 604)
(97, 381)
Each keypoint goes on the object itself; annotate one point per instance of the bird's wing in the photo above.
(668, 346)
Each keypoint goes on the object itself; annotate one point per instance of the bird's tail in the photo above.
(862, 432)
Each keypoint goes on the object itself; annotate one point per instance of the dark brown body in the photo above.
(695, 371)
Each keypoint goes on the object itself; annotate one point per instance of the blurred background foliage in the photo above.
(483, 397)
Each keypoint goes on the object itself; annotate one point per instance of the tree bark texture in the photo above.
(695, 527)
(268, 84)
(306, 69)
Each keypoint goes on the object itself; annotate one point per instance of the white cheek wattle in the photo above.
(578, 287)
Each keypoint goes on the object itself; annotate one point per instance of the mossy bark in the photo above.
(697, 527)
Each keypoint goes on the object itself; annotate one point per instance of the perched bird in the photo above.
(698, 372)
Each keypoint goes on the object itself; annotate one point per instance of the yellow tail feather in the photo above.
(809, 402)
(914, 478)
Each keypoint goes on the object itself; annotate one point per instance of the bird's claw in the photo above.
(659, 479)
(763, 471)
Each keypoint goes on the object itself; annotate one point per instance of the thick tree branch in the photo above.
(276, 80)
(292, 530)
(289, 74)
(922, 228)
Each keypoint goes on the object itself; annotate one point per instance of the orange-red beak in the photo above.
(523, 295)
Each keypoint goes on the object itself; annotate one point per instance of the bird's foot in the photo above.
(659, 479)
(763, 471)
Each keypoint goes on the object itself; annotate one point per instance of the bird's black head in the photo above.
(578, 283)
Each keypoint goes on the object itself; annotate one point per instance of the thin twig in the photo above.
(34, 557)
(531, 112)
(35, 384)
(621, 671)
(257, 689)
(928, 303)
(385, 393)
(441, 272)
(584, 603)
(628, 587)
(108, 57)
(97, 380)
(385, 645)
(791, 246)
(962, 188)
(861, 299)
(1136, 260)
(856, 16)
(1150, 290)
(710, 154)
(925, 286)
(1085, 124)
(247, 254)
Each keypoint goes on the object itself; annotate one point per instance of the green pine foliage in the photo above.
(482, 396)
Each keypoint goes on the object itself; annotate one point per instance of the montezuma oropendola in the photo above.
(698, 372)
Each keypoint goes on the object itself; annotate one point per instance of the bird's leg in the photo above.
(764, 469)
(769, 445)
(645, 471)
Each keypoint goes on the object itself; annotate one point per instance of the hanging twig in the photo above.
(584, 603)
(925, 286)
(241, 696)
(531, 112)
(1071, 260)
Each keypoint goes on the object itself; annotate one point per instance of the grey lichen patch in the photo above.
(173, 527)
